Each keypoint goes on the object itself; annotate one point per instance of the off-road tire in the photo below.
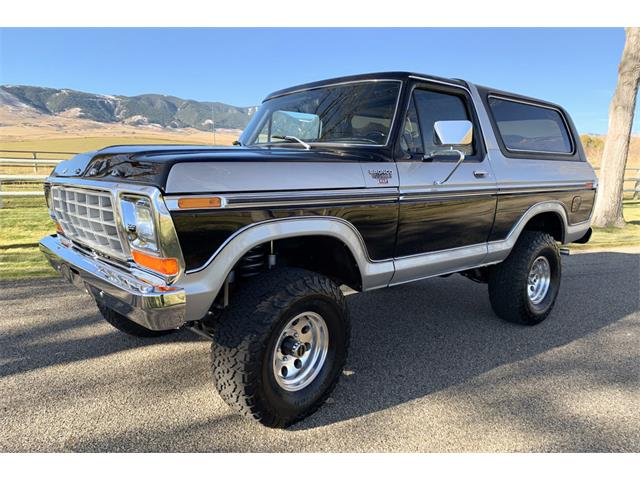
(244, 340)
(127, 326)
(508, 280)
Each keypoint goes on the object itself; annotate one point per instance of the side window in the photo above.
(432, 106)
(530, 128)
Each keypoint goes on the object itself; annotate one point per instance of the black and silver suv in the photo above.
(350, 184)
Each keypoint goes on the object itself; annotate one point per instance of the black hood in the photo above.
(150, 164)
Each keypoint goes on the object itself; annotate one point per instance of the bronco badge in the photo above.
(382, 176)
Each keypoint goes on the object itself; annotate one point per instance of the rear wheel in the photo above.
(280, 348)
(127, 326)
(524, 288)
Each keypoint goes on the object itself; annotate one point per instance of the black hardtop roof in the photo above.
(484, 91)
(364, 76)
(401, 75)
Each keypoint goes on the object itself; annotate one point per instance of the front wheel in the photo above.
(524, 288)
(280, 348)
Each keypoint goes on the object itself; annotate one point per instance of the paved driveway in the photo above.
(431, 369)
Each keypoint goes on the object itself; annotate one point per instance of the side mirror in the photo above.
(453, 133)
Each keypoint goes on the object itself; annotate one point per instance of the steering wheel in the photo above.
(375, 135)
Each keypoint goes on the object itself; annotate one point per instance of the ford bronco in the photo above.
(343, 185)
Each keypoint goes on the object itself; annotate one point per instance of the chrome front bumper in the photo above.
(153, 307)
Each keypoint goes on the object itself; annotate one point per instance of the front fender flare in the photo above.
(202, 285)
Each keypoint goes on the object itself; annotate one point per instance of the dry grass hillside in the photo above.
(34, 131)
(594, 145)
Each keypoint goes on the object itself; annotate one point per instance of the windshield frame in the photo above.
(335, 144)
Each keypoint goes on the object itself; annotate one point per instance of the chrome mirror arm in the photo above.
(455, 167)
(291, 138)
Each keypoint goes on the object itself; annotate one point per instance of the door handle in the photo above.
(479, 174)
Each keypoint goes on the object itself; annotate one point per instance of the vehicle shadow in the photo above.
(412, 340)
(407, 342)
(80, 334)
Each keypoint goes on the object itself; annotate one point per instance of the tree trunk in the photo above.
(608, 210)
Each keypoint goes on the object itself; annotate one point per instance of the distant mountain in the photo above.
(149, 109)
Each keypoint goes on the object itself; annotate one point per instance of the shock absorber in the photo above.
(253, 262)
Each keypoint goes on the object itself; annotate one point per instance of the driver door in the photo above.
(451, 220)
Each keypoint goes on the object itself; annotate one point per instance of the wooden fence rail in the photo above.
(27, 162)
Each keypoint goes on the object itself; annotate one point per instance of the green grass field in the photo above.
(24, 221)
(629, 236)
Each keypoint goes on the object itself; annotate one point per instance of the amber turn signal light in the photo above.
(200, 202)
(59, 228)
(166, 266)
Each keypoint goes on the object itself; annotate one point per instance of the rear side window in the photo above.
(530, 128)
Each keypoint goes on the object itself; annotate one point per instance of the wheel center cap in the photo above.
(290, 346)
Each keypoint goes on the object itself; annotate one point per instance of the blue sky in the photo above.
(574, 67)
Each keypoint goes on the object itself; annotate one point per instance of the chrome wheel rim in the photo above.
(539, 280)
(300, 351)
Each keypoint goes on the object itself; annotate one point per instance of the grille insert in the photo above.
(87, 217)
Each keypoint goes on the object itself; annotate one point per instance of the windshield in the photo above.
(356, 113)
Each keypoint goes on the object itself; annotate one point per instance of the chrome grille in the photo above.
(87, 217)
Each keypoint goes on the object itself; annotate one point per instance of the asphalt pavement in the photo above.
(430, 369)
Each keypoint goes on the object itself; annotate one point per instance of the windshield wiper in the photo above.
(291, 138)
(355, 140)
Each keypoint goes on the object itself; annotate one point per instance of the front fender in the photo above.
(203, 285)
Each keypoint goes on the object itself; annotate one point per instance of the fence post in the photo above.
(636, 188)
